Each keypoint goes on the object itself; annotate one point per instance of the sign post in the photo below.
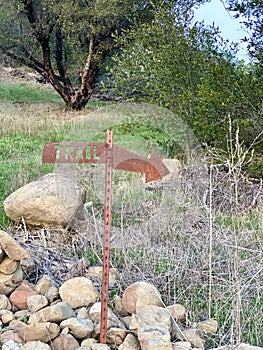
(106, 241)
(113, 157)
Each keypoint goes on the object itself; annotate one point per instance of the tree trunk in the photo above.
(75, 100)
(79, 100)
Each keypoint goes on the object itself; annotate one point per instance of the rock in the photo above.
(127, 321)
(140, 294)
(78, 291)
(11, 247)
(83, 313)
(112, 319)
(39, 331)
(36, 302)
(95, 311)
(22, 315)
(8, 266)
(116, 336)
(52, 200)
(43, 285)
(192, 335)
(4, 303)
(182, 345)
(2, 254)
(174, 166)
(28, 265)
(52, 294)
(11, 345)
(96, 271)
(65, 342)
(98, 346)
(130, 343)
(36, 345)
(177, 312)
(88, 342)
(7, 317)
(19, 296)
(10, 335)
(153, 326)
(79, 328)
(53, 313)
(9, 282)
(16, 324)
(208, 326)
(119, 307)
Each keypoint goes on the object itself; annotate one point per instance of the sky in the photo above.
(230, 27)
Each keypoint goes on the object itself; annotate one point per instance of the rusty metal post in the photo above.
(106, 244)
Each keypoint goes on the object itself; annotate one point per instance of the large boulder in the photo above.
(52, 200)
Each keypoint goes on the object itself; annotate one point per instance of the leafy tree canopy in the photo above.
(252, 12)
(192, 71)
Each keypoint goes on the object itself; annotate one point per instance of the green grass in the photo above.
(20, 162)
(26, 93)
(25, 128)
(34, 93)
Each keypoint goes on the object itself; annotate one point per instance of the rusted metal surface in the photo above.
(73, 152)
(106, 242)
(95, 152)
(153, 167)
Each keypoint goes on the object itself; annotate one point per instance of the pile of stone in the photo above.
(11, 257)
(43, 316)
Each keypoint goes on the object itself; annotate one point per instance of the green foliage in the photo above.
(153, 136)
(92, 257)
(168, 64)
(191, 71)
(250, 13)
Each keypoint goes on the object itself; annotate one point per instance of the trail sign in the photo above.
(94, 152)
(113, 157)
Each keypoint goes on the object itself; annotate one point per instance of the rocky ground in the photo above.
(66, 316)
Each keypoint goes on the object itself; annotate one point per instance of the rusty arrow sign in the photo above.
(95, 152)
(113, 157)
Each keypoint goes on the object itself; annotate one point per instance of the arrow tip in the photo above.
(156, 161)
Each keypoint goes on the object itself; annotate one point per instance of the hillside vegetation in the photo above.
(197, 237)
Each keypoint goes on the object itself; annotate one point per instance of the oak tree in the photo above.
(67, 41)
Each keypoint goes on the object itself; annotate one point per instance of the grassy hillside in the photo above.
(198, 237)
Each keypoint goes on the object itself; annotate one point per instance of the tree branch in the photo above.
(59, 60)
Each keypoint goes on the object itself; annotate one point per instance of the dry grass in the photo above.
(32, 120)
(213, 266)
